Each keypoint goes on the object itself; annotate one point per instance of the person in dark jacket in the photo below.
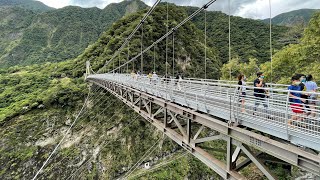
(260, 94)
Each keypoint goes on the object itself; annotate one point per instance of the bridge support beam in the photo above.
(236, 139)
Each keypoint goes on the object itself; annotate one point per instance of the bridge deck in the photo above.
(221, 99)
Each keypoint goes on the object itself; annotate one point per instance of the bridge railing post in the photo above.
(287, 115)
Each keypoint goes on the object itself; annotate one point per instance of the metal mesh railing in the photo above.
(270, 112)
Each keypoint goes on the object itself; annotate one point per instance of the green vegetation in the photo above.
(32, 5)
(38, 102)
(297, 58)
(28, 37)
(188, 52)
(249, 38)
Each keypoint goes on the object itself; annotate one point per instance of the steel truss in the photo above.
(179, 122)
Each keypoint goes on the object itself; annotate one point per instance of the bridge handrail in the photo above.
(226, 99)
(270, 89)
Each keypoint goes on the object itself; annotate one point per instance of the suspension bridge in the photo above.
(183, 108)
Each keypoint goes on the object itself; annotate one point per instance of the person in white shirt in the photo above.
(311, 86)
(155, 77)
(242, 91)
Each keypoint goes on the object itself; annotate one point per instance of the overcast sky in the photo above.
(256, 9)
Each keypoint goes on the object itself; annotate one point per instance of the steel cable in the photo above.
(57, 146)
(103, 145)
(170, 32)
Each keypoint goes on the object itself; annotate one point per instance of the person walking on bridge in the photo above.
(311, 86)
(155, 78)
(179, 78)
(260, 93)
(295, 100)
(242, 91)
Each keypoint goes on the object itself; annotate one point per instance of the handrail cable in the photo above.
(132, 33)
(171, 31)
(67, 132)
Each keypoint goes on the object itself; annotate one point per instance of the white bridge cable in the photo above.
(98, 105)
(270, 11)
(168, 33)
(67, 132)
(127, 40)
(85, 110)
(106, 122)
(104, 144)
(137, 164)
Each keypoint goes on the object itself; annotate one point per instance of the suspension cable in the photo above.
(147, 153)
(161, 164)
(67, 132)
(128, 58)
(104, 144)
(173, 54)
(229, 36)
(205, 44)
(113, 66)
(119, 62)
(141, 68)
(270, 11)
(154, 58)
(171, 31)
(84, 116)
(133, 32)
(167, 29)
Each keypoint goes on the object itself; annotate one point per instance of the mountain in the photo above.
(301, 16)
(38, 103)
(300, 58)
(32, 5)
(28, 37)
(249, 38)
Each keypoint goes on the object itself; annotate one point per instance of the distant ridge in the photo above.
(32, 5)
(28, 37)
(301, 16)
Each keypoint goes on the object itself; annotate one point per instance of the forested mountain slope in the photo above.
(296, 58)
(292, 18)
(38, 100)
(249, 38)
(32, 5)
(28, 37)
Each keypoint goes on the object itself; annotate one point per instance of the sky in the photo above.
(255, 9)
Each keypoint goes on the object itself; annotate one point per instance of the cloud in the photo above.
(256, 9)
(93, 3)
(260, 9)
(56, 3)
